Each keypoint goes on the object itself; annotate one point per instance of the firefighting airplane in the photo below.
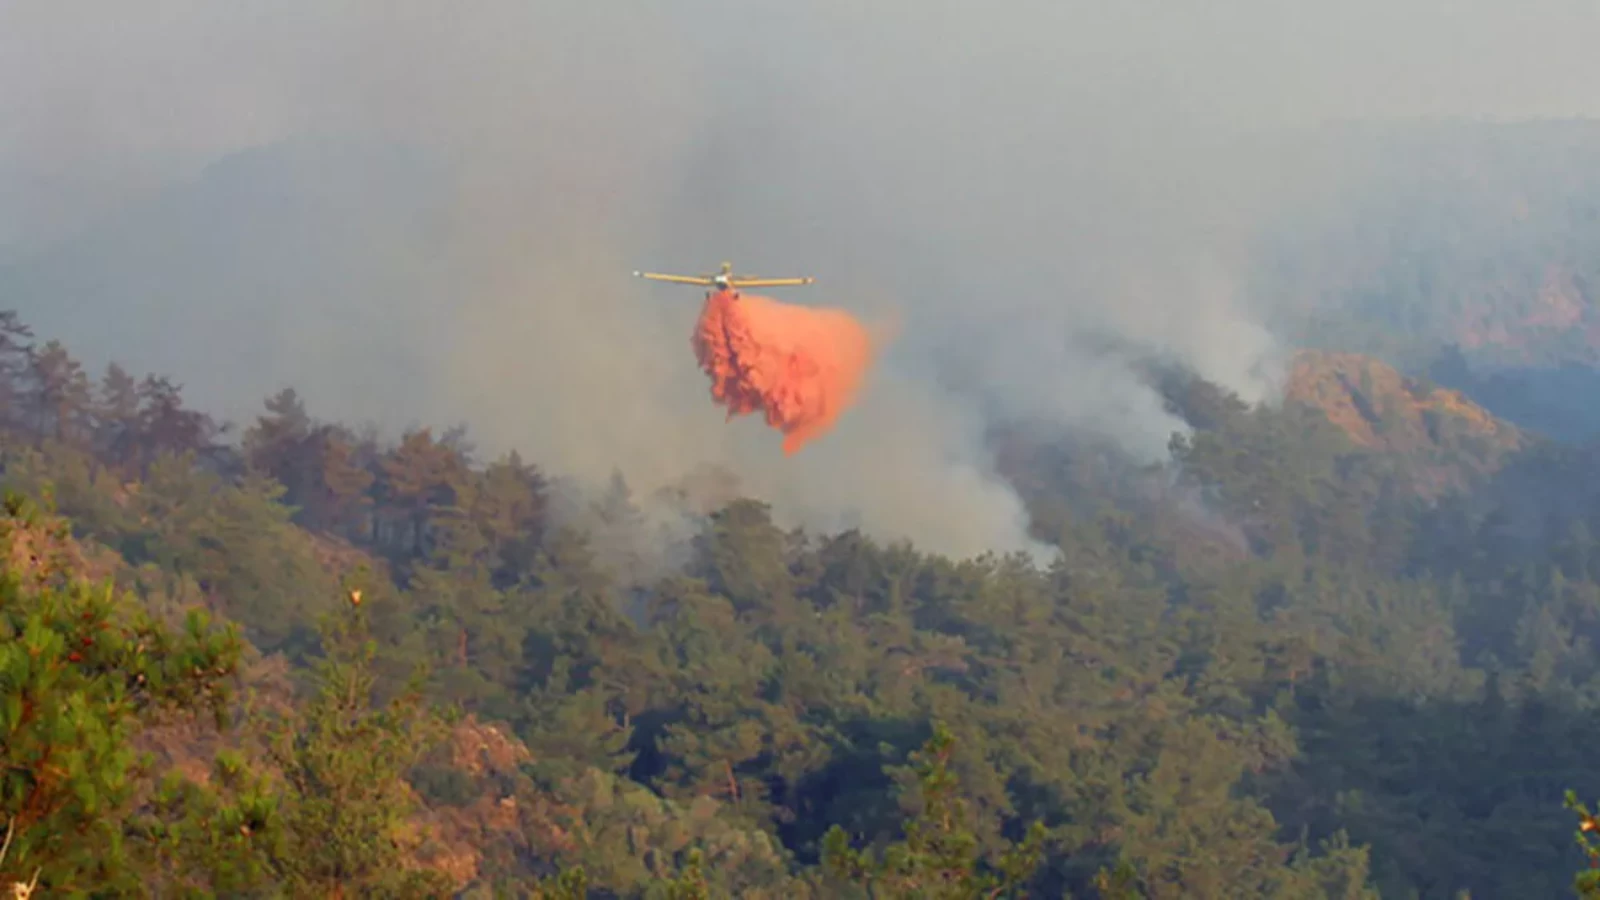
(726, 280)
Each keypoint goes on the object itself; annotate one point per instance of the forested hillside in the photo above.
(1340, 647)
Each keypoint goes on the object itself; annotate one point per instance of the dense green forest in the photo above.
(299, 660)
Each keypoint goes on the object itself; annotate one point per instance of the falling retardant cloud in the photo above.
(800, 367)
(417, 213)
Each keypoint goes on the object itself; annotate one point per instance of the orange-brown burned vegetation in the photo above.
(1378, 407)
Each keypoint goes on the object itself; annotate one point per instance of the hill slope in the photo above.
(1267, 669)
(1444, 440)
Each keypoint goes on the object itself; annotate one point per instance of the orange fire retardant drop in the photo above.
(801, 366)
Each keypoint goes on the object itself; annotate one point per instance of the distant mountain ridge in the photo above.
(1434, 238)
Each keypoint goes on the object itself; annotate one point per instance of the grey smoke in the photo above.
(422, 212)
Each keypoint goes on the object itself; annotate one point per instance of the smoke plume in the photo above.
(419, 213)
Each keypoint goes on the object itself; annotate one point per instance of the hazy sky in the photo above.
(420, 212)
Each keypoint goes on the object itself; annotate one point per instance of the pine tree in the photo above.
(939, 857)
(82, 668)
(117, 422)
(16, 356)
(345, 763)
(1587, 882)
(59, 395)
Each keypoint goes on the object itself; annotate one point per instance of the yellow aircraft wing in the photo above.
(676, 279)
(768, 282)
